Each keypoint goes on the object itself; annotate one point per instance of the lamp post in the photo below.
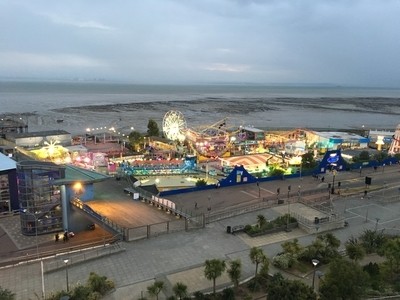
(333, 181)
(288, 210)
(66, 273)
(315, 262)
(301, 168)
(299, 193)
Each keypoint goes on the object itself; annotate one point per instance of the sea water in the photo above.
(248, 105)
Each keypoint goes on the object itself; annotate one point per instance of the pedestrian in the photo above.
(57, 236)
(323, 178)
(195, 205)
(65, 238)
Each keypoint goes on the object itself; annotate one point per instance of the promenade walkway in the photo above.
(180, 256)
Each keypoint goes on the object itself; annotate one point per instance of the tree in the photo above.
(235, 271)
(363, 156)
(281, 288)
(354, 249)
(257, 256)
(152, 128)
(324, 248)
(392, 253)
(264, 269)
(80, 292)
(214, 269)
(201, 182)
(292, 249)
(276, 172)
(380, 156)
(6, 294)
(308, 161)
(180, 290)
(372, 240)
(315, 250)
(344, 280)
(261, 221)
(135, 139)
(99, 284)
(155, 288)
(329, 240)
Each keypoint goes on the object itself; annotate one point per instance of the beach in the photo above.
(78, 108)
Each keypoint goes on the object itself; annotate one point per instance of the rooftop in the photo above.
(74, 174)
(38, 134)
(6, 163)
(341, 135)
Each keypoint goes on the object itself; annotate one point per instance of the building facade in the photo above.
(39, 198)
(8, 184)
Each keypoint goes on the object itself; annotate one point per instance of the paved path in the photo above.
(180, 256)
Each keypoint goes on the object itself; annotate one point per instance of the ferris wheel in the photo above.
(174, 125)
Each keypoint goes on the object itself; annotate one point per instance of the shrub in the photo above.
(99, 283)
(278, 222)
(228, 294)
(201, 182)
(282, 261)
(6, 294)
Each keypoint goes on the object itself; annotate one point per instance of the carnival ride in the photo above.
(150, 168)
(213, 140)
(209, 141)
(174, 125)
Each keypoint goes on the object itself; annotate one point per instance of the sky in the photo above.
(340, 42)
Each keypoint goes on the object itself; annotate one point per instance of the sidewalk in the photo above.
(180, 256)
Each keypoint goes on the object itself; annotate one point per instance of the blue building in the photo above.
(8, 184)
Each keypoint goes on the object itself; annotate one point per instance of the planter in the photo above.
(274, 230)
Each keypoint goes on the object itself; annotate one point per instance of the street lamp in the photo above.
(66, 273)
(288, 210)
(25, 211)
(301, 166)
(333, 181)
(315, 262)
(299, 193)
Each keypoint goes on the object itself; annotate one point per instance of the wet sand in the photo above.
(345, 113)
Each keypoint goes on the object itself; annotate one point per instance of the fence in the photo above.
(153, 230)
(214, 217)
(104, 220)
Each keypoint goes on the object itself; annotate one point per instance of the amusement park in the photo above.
(180, 156)
(129, 186)
(205, 155)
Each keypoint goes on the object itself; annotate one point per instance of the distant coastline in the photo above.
(98, 105)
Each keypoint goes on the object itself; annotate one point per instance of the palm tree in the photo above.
(214, 269)
(180, 290)
(257, 256)
(235, 271)
(261, 221)
(354, 249)
(155, 288)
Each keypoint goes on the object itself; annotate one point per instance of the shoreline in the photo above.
(286, 113)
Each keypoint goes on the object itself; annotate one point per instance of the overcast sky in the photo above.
(346, 42)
